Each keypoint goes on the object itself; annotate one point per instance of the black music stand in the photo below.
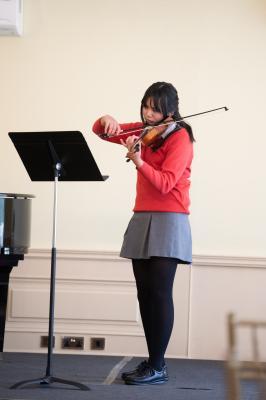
(50, 156)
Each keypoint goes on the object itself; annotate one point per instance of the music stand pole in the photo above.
(57, 169)
(52, 278)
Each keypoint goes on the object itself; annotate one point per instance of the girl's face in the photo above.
(150, 114)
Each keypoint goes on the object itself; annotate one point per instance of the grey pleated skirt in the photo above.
(158, 234)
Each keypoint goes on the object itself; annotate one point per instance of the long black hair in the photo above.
(165, 100)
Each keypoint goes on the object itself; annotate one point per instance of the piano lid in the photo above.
(17, 196)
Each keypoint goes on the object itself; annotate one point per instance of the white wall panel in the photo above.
(91, 300)
(204, 294)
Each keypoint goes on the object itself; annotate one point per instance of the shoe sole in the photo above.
(126, 376)
(156, 382)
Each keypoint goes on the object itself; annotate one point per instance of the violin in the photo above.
(151, 134)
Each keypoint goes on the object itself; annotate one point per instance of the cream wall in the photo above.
(79, 60)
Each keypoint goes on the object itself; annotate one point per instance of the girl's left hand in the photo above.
(133, 153)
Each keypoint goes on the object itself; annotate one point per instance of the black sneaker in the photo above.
(148, 376)
(141, 367)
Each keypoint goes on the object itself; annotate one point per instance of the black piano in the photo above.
(15, 218)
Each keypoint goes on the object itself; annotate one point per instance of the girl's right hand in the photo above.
(111, 126)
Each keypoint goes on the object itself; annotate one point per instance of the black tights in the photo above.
(154, 281)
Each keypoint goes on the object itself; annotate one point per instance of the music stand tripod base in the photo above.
(48, 380)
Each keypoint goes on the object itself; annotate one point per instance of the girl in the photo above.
(158, 236)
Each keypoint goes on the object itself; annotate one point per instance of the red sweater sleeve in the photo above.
(178, 158)
(99, 130)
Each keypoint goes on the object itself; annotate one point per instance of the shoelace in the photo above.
(148, 370)
(142, 366)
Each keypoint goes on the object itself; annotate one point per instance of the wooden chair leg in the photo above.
(233, 384)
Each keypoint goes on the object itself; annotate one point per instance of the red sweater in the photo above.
(164, 178)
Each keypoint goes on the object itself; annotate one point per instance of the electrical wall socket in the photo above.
(73, 342)
(97, 343)
(44, 341)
